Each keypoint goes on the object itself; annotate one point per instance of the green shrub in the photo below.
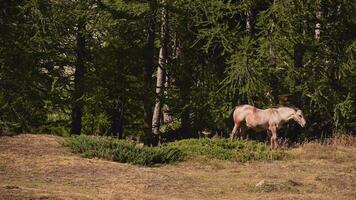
(122, 150)
(129, 152)
(226, 149)
(52, 129)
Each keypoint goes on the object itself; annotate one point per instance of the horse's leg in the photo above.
(271, 142)
(246, 134)
(276, 141)
(273, 130)
(234, 131)
(243, 131)
(269, 134)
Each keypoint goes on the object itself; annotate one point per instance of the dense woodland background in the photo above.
(174, 67)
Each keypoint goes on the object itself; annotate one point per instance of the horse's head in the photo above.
(299, 118)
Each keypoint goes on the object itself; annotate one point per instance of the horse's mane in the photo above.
(295, 108)
(291, 106)
(274, 107)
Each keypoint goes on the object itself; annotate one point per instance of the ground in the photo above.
(39, 167)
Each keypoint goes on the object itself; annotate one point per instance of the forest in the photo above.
(171, 69)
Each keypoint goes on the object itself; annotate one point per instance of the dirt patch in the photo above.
(39, 167)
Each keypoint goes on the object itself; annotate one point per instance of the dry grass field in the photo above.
(39, 167)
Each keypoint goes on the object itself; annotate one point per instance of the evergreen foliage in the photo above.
(122, 151)
(220, 54)
(130, 152)
(224, 149)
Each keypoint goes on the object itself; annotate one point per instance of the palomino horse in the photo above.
(247, 116)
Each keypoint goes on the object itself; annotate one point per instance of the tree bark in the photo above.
(185, 86)
(158, 106)
(161, 75)
(317, 27)
(147, 126)
(185, 116)
(167, 116)
(298, 55)
(185, 124)
(4, 13)
(273, 93)
(249, 21)
(117, 123)
(78, 92)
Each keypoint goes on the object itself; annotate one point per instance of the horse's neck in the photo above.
(285, 113)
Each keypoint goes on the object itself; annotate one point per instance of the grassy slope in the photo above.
(38, 167)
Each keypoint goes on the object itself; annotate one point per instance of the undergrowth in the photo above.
(130, 152)
(226, 149)
(122, 151)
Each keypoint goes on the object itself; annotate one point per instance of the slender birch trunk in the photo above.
(249, 21)
(161, 75)
(318, 27)
(167, 117)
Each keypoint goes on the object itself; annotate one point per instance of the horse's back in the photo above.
(259, 118)
(241, 112)
(244, 107)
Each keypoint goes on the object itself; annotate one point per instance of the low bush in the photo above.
(129, 152)
(226, 149)
(122, 150)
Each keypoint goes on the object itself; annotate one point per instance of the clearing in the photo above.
(39, 167)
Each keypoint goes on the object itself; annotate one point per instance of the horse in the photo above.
(249, 117)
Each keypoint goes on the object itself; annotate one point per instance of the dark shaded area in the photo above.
(88, 67)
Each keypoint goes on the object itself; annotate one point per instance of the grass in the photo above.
(269, 186)
(39, 167)
(339, 139)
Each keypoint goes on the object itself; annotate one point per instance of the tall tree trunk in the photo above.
(185, 123)
(326, 50)
(117, 112)
(249, 21)
(148, 137)
(185, 115)
(4, 13)
(6, 8)
(183, 82)
(167, 116)
(161, 75)
(117, 123)
(78, 81)
(317, 27)
(273, 93)
(185, 86)
(272, 60)
(299, 50)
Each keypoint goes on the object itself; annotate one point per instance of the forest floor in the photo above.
(39, 167)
